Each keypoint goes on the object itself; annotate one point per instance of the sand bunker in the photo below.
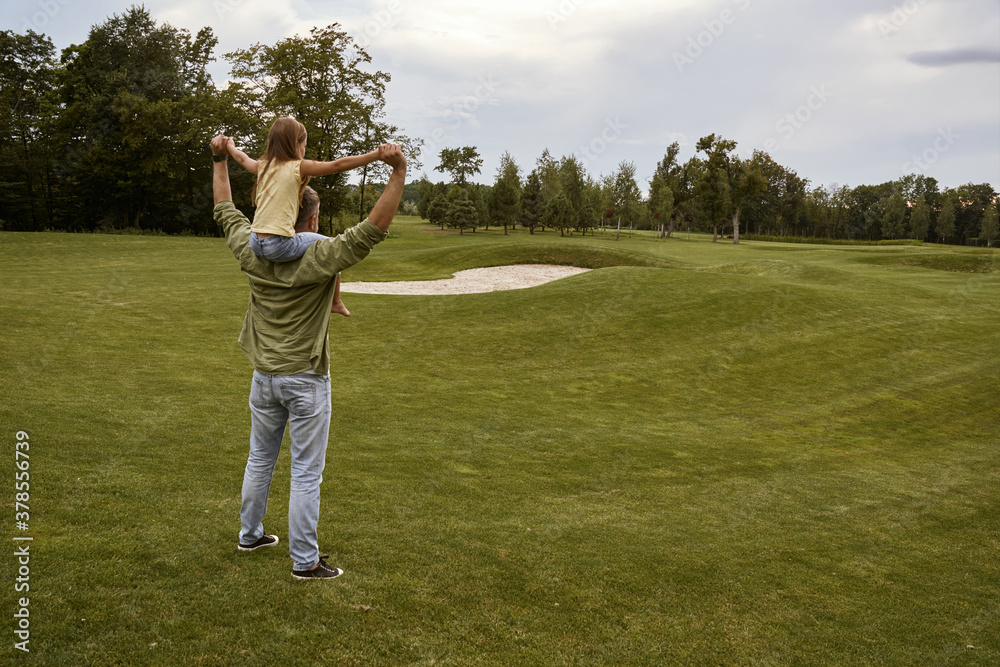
(472, 281)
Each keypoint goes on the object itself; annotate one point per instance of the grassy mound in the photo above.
(728, 461)
(956, 262)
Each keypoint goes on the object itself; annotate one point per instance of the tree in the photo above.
(839, 200)
(437, 211)
(817, 213)
(745, 181)
(139, 108)
(460, 163)
(425, 194)
(777, 207)
(625, 193)
(505, 197)
(729, 182)
(323, 80)
(945, 226)
(532, 206)
(712, 188)
(573, 184)
(792, 201)
(27, 81)
(593, 205)
(548, 174)
(912, 186)
(362, 193)
(461, 212)
(661, 202)
(991, 224)
(920, 218)
(713, 197)
(867, 203)
(894, 217)
(478, 200)
(667, 191)
(669, 168)
(559, 213)
(973, 201)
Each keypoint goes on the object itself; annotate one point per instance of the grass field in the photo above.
(697, 454)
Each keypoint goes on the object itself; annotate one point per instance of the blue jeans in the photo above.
(302, 401)
(283, 248)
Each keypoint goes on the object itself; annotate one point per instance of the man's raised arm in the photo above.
(385, 208)
(347, 249)
(234, 224)
(220, 171)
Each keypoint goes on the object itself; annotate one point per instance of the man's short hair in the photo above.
(307, 209)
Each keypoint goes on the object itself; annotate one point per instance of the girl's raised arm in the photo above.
(313, 168)
(248, 162)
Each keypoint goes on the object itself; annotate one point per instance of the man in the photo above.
(285, 337)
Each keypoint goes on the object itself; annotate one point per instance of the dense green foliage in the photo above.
(723, 193)
(504, 203)
(699, 454)
(114, 135)
(461, 163)
(461, 213)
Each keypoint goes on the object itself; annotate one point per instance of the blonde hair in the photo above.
(283, 140)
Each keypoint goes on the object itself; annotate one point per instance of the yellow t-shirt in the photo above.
(278, 199)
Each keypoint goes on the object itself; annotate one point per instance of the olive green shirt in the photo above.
(286, 328)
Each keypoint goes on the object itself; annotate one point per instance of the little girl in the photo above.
(282, 176)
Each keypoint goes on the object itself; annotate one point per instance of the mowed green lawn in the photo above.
(697, 454)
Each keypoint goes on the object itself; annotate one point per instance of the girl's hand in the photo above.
(218, 144)
(394, 157)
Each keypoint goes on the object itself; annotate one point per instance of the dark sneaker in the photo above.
(321, 571)
(265, 541)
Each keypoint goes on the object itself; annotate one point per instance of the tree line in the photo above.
(113, 133)
(715, 190)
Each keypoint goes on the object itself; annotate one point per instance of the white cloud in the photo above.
(561, 69)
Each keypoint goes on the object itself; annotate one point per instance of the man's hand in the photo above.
(220, 144)
(393, 156)
(384, 150)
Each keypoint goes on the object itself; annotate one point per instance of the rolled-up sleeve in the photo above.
(235, 226)
(330, 256)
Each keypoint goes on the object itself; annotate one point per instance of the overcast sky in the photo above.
(849, 92)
